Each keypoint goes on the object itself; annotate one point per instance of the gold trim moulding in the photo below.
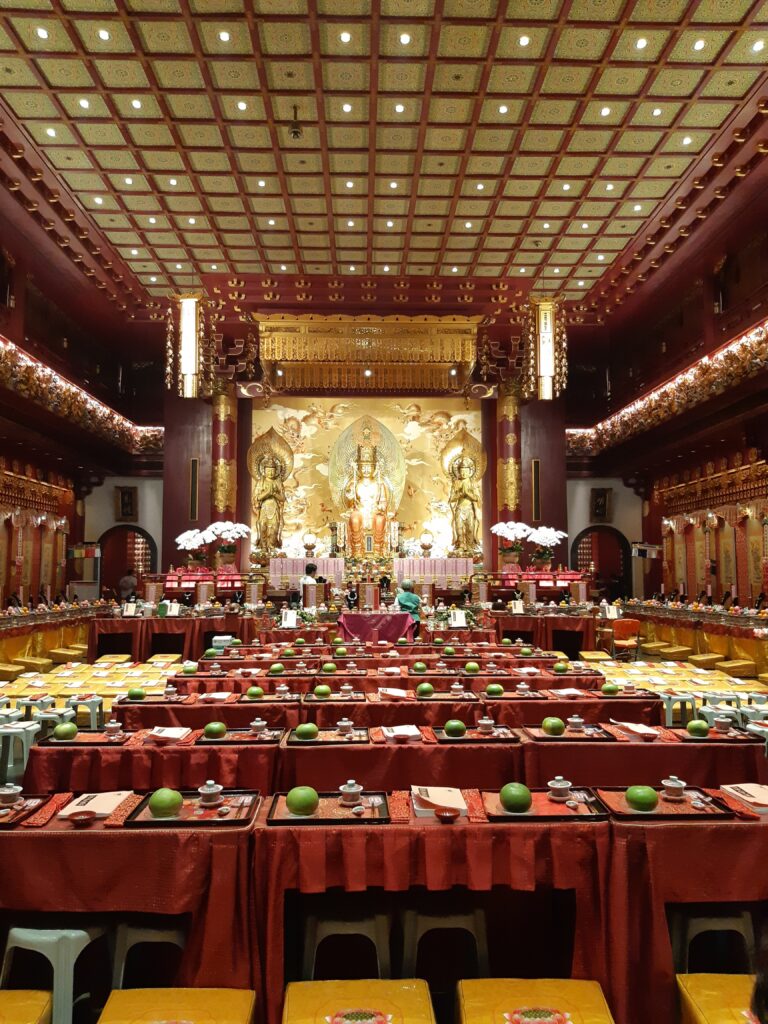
(324, 376)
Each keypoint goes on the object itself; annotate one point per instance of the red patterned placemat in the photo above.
(49, 810)
(735, 805)
(616, 801)
(120, 813)
(475, 810)
(427, 735)
(732, 736)
(664, 735)
(400, 806)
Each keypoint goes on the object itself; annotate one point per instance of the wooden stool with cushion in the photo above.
(712, 998)
(490, 1000)
(25, 1006)
(675, 652)
(653, 647)
(594, 656)
(34, 664)
(195, 1005)
(62, 655)
(705, 660)
(740, 668)
(8, 673)
(357, 1002)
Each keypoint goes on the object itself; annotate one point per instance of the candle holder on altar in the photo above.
(426, 541)
(309, 540)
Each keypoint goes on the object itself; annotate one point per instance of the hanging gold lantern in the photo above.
(545, 367)
(189, 348)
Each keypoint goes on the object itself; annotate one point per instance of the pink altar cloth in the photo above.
(390, 626)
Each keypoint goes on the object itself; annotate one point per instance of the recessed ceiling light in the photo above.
(42, 33)
(350, 184)
(192, 220)
(524, 40)
(453, 371)
(386, 268)
(261, 183)
(367, 373)
(609, 187)
(546, 225)
(656, 111)
(153, 279)
(390, 223)
(399, 108)
(557, 270)
(224, 37)
(585, 225)
(454, 270)
(85, 104)
(605, 111)
(641, 43)
(566, 187)
(214, 266)
(600, 257)
(136, 104)
(405, 38)
(178, 266)
(467, 223)
(134, 252)
(687, 140)
(172, 181)
(50, 132)
(637, 207)
(345, 37)
(503, 109)
(699, 44)
(280, 372)
(153, 220)
(98, 200)
(393, 184)
(350, 223)
(479, 186)
(580, 284)
(242, 105)
(103, 35)
(283, 266)
(522, 270)
(757, 46)
(347, 108)
(351, 268)
(129, 181)
(271, 222)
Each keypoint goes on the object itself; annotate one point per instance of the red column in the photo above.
(488, 431)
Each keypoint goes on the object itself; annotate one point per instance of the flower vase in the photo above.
(541, 564)
(510, 560)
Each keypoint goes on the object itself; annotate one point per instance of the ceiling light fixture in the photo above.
(351, 268)
(390, 223)
(129, 181)
(172, 181)
(153, 220)
(214, 266)
(393, 184)
(271, 222)
(134, 252)
(178, 266)
(566, 187)
(524, 40)
(637, 207)
(546, 225)
(756, 46)
(84, 104)
(350, 184)
(386, 268)
(399, 108)
(367, 373)
(242, 105)
(699, 45)
(605, 111)
(261, 183)
(347, 108)
(404, 38)
(557, 270)
(153, 279)
(224, 37)
(350, 223)
(283, 266)
(279, 371)
(98, 200)
(467, 223)
(522, 270)
(480, 186)
(641, 43)
(136, 104)
(609, 187)
(687, 140)
(453, 371)
(42, 33)
(454, 270)
(503, 109)
(103, 35)
(580, 284)
(600, 257)
(585, 225)
(50, 132)
(191, 220)
(345, 37)
(656, 111)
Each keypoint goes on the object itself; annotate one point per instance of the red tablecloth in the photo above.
(652, 865)
(541, 628)
(389, 627)
(598, 763)
(143, 629)
(99, 627)
(64, 769)
(203, 872)
(196, 716)
(398, 857)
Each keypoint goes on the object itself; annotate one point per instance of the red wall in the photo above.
(187, 436)
(542, 433)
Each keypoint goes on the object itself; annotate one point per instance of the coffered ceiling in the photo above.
(537, 140)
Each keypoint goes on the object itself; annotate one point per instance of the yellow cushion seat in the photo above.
(675, 652)
(80, 648)
(741, 668)
(705, 660)
(714, 998)
(61, 655)
(25, 1006)
(165, 659)
(10, 672)
(114, 659)
(594, 656)
(496, 999)
(319, 1002)
(34, 664)
(196, 1005)
(653, 647)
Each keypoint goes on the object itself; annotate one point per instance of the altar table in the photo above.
(141, 630)
(540, 629)
(314, 859)
(389, 626)
(206, 873)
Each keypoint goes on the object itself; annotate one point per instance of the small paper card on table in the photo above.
(221, 695)
(426, 798)
(411, 731)
(392, 693)
(568, 692)
(102, 804)
(636, 727)
(169, 734)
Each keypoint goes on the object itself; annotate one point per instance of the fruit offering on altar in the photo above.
(438, 641)
(65, 731)
(402, 641)
(494, 690)
(340, 652)
(254, 693)
(307, 731)
(165, 803)
(553, 726)
(337, 640)
(515, 797)
(642, 798)
(235, 642)
(299, 641)
(419, 667)
(506, 641)
(471, 668)
(425, 690)
(189, 668)
(561, 667)
(322, 691)
(136, 693)
(698, 727)
(289, 652)
(302, 800)
(215, 730)
(211, 653)
(609, 689)
(454, 727)
(526, 652)
(276, 669)
(329, 667)
(449, 652)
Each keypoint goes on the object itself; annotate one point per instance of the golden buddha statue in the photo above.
(368, 499)
(270, 463)
(464, 463)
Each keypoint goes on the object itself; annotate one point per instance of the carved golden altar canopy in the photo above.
(333, 353)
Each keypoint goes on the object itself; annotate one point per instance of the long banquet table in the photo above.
(141, 630)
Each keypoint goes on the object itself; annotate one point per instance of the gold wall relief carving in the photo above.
(224, 485)
(508, 483)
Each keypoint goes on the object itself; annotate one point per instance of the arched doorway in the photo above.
(125, 547)
(611, 553)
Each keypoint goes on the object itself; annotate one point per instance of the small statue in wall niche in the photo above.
(270, 463)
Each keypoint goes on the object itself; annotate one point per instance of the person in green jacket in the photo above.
(409, 602)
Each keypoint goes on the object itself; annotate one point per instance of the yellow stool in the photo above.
(34, 664)
(165, 659)
(705, 660)
(594, 656)
(80, 648)
(19, 1006)
(675, 652)
(9, 672)
(61, 655)
(343, 1002)
(114, 659)
(654, 647)
(714, 998)
(741, 668)
(493, 999)
(196, 1005)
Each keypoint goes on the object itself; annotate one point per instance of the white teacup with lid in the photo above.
(486, 725)
(210, 794)
(345, 725)
(723, 723)
(457, 689)
(351, 793)
(576, 723)
(113, 728)
(674, 788)
(9, 794)
(258, 725)
(559, 789)
(346, 690)
(282, 689)
(522, 688)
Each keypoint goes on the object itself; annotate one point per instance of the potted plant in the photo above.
(544, 539)
(511, 536)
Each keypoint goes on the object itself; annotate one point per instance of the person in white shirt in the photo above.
(310, 574)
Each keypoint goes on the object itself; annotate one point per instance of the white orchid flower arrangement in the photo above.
(545, 539)
(512, 535)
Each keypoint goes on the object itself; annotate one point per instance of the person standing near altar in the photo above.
(409, 602)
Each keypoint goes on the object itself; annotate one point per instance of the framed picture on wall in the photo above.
(126, 504)
(601, 504)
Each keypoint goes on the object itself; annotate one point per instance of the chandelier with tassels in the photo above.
(545, 350)
(189, 348)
